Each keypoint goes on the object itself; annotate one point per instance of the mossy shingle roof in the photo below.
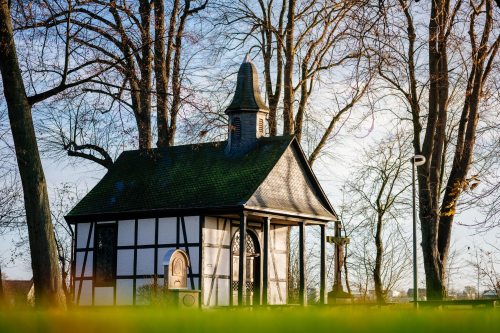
(182, 177)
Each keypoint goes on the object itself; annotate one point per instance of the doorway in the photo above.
(252, 268)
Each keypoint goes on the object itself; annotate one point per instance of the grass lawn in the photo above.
(242, 321)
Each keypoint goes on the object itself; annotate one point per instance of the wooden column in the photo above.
(265, 261)
(302, 264)
(323, 295)
(242, 272)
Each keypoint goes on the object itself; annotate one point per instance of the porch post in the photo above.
(322, 293)
(302, 264)
(265, 261)
(242, 272)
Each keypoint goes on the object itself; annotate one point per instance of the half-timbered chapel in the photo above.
(226, 204)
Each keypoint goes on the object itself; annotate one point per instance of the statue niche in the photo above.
(175, 265)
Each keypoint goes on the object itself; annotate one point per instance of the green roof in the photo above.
(182, 177)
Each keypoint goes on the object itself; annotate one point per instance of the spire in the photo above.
(247, 94)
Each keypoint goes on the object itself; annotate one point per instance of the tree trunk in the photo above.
(160, 74)
(305, 92)
(165, 136)
(144, 116)
(377, 277)
(348, 286)
(288, 75)
(44, 262)
(2, 298)
(267, 51)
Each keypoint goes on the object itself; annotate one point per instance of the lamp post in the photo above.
(416, 160)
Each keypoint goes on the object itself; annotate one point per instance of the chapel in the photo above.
(227, 205)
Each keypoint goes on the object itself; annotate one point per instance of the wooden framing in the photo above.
(267, 222)
(302, 264)
(242, 272)
(265, 261)
(78, 248)
(323, 295)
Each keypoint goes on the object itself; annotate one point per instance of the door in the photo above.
(252, 268)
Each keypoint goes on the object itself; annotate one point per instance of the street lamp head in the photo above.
(418, 160)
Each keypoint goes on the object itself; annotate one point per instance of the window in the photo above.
(261, 125)
(105, 255)
(236, 127)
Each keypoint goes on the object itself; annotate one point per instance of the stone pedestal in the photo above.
(186, 299)
(339, 296)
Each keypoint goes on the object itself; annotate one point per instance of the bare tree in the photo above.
(381, 184)
(43, 250)
(320, 39)
(450, 57)
(118, 33)
(46, 275)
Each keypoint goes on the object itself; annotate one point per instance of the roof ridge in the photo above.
(173, 147)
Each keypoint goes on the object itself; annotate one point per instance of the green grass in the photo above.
(242, 321)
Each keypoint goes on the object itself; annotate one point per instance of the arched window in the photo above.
(250, 244)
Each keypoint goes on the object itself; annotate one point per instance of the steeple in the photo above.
(247, 112)
(247, 94)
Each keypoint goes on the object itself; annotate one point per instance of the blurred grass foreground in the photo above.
(312, 319)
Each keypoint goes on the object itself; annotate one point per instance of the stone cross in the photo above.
(339, 255)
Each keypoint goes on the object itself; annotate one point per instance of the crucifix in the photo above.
(123, 146)
(339, 257)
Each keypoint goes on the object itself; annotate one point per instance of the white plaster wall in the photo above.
(277, 237)
(79, 264)
(224, 267)
(210, 231)
(82, 236)
(206, 292)
(104, 296)
(281, 263)
(125, 262)
(86, 294)
(223, 292)
(214, 233)
(192, 228)
(124, 292)
(146, 232)
(167, 230)
(145, 262)
(126, 232)
(210, 259)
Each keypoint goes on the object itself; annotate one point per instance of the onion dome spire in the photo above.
(247, 94)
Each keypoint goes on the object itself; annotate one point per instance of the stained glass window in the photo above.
(105, 255)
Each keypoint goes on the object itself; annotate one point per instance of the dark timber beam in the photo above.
(265, 261)
(322, 293)
(242, 272)
(302, 264)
